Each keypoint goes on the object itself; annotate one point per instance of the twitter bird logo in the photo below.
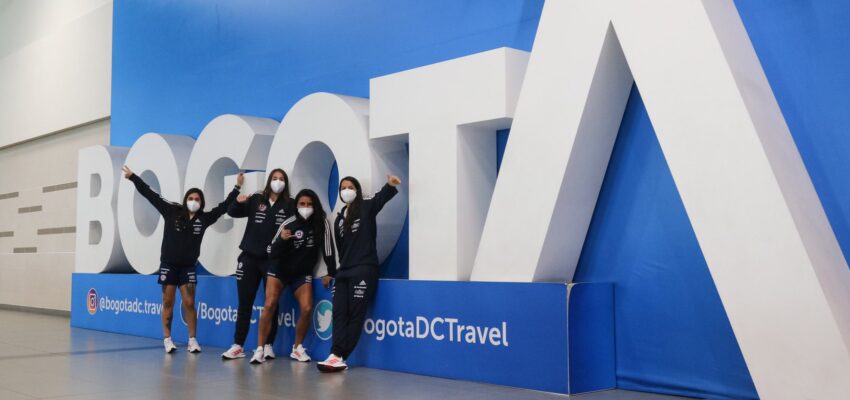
(323, 319)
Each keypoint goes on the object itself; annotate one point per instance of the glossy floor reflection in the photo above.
(41, 357)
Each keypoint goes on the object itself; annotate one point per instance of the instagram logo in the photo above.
(91, 301)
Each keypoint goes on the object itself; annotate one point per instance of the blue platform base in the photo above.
(543, 336)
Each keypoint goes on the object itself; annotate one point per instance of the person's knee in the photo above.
(306, 309)
(189, 303)
(270, 306)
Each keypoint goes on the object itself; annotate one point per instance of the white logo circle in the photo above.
(323, 319)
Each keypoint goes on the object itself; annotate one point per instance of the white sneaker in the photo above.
(235, 351)
(258, 356)
(169, 345)
(194, 347)
(332, 364)
(299, 353)
(268, 352)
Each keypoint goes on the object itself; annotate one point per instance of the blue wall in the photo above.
(177, 65)
(672, 333)
(803, 48)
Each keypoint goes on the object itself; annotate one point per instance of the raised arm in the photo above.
(240, 207)
(221, 208)
(161, 205)
(387, 192)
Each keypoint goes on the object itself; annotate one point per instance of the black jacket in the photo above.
(181, 239)
(298, 255)
(357, 247)
(263, 221)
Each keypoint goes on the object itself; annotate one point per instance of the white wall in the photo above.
(55, 66)
(55, 83)
(37, 216)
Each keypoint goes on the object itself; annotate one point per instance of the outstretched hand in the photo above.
(393, 180)
(127, 172)
(240, 179)
(286, 234)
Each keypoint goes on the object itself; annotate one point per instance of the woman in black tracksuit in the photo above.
(294, 252)
(265, 211)
(184, 228)
(355, 231)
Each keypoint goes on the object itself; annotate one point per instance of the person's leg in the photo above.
(272, 333)
(247, 282)
(361, 291)
(267, 319)
(187, 294)
(340, 314)
(304, 295)
(168, 294)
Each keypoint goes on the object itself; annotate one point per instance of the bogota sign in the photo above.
(777, 266)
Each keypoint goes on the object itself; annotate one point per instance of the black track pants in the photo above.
(353, 291)
(250, 272)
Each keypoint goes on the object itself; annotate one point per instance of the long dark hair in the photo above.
(354, 207)
(319, 216)
(268, 190)
(185, 210)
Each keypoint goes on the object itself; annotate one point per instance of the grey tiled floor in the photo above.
(42, 357)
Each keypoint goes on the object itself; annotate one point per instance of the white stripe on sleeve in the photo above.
(328, 240)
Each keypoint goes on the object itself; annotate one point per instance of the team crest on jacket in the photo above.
(262, 207)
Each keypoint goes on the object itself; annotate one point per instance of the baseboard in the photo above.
(36, 310)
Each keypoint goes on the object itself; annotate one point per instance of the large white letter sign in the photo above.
(161, 161)
(450, 111)
(322, 127)
(227, 144)
(765, 237)
(98, 247)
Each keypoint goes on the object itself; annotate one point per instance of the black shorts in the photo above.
(293, 281)
(251, 265)
(176, 275)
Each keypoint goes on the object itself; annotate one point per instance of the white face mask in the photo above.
(347, 195)
(193, 205)
(278, 185)
(305, 212)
